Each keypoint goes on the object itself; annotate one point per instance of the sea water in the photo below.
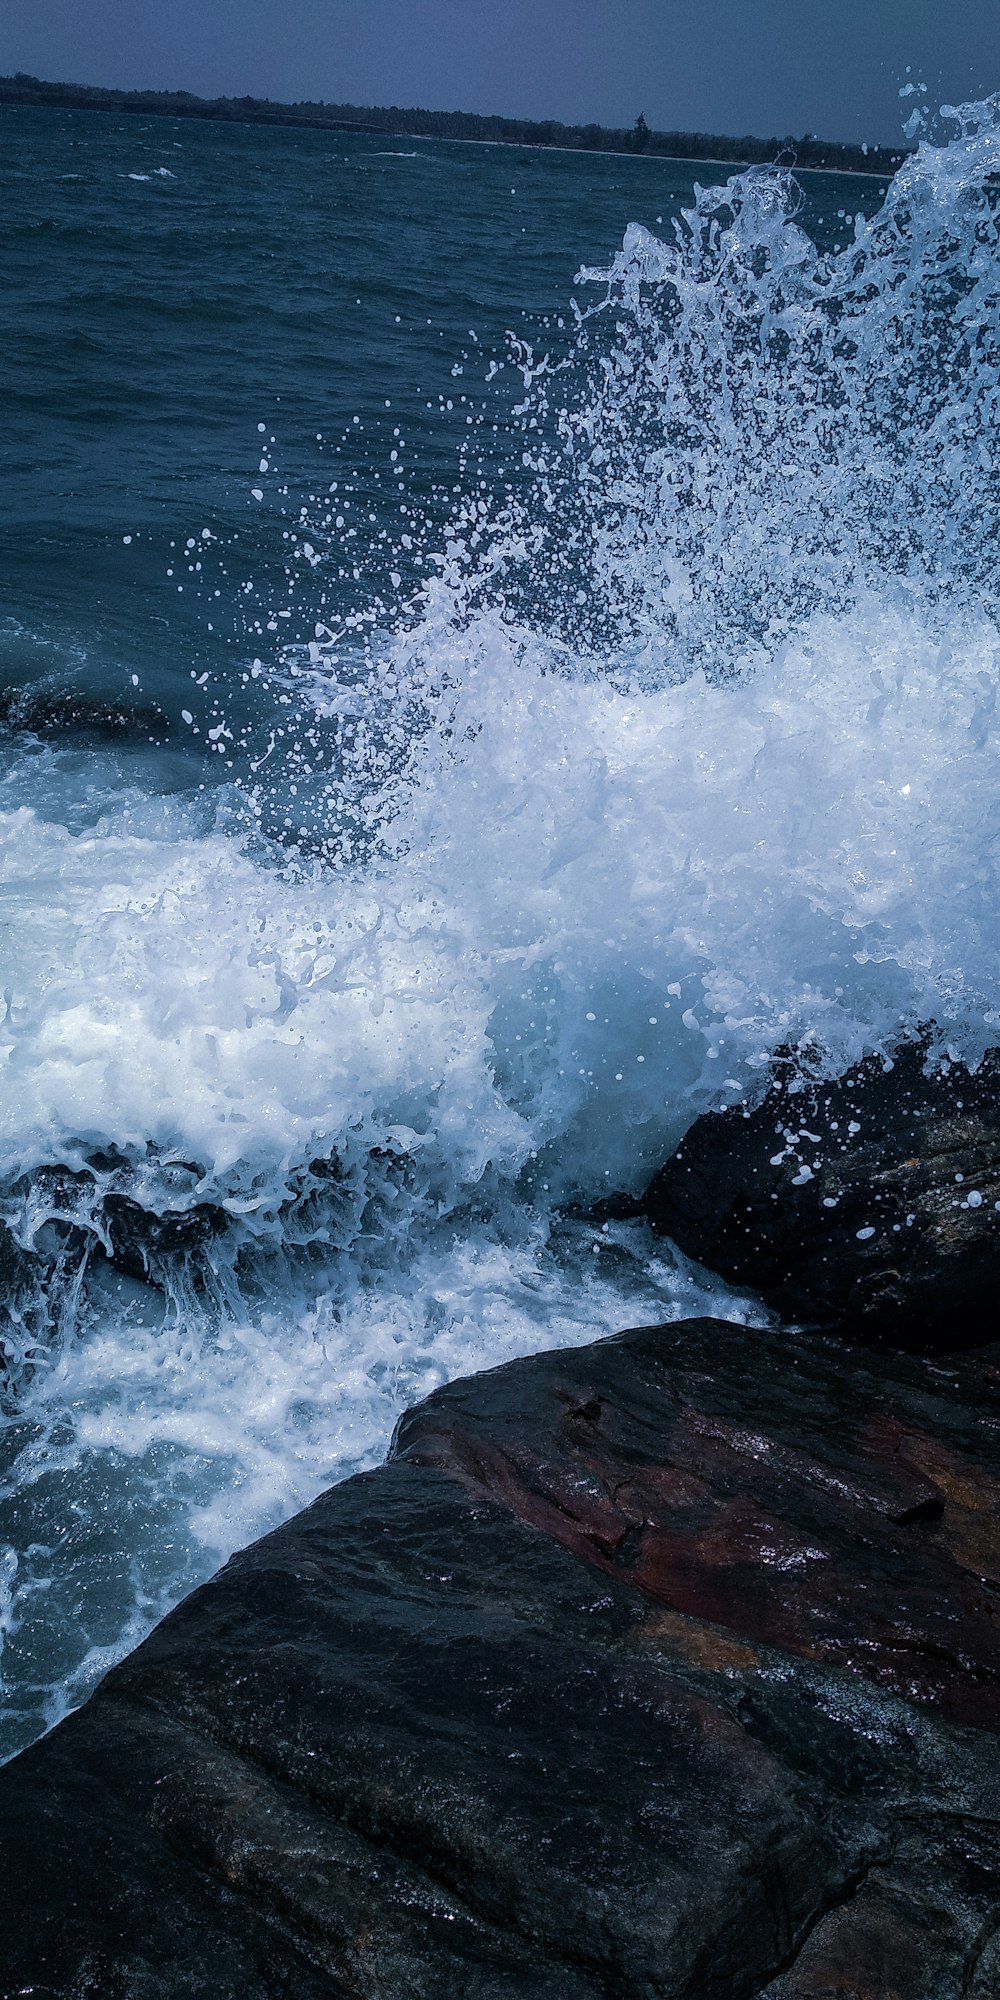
(495, 645)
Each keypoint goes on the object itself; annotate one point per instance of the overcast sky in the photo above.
(833, 67)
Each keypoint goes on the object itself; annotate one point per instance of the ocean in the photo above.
(496, 645)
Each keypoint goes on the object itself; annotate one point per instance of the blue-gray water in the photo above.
(459, 721)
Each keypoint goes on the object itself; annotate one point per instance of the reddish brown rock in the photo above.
(811, 1525)
(665, 1669)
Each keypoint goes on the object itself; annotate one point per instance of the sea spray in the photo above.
(687, 753)
(763, 431)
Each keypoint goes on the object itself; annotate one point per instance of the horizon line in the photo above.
(641, 139)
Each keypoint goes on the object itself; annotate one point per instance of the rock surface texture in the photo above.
(873, 1201)
(662, 1669)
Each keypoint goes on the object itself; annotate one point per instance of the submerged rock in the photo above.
(668, 1666)
(872, 1202)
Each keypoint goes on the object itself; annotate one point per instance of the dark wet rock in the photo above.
(872, 1202)
(64, 1229)
(909, 1927)
(663, 1669)
(46, 710)
(60, 1225)
(141, 1240)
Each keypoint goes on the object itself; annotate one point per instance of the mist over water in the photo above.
(429, 832)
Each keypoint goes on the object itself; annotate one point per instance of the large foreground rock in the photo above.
(667, 1667)
(872, 1202)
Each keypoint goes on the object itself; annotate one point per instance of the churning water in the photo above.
(459, 724)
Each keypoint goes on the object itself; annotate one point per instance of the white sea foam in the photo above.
(150, 1451)
(603, 910)
(687, 756)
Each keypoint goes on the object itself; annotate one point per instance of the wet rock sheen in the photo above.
(872, 1202)
(665, 1667)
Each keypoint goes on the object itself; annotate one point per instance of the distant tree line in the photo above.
(390, 120)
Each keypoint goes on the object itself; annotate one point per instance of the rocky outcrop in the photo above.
(663, 1669)
(872, 1203)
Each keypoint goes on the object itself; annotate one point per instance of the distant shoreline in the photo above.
(809, 155)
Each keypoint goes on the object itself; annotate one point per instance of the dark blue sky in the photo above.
(762, 66)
